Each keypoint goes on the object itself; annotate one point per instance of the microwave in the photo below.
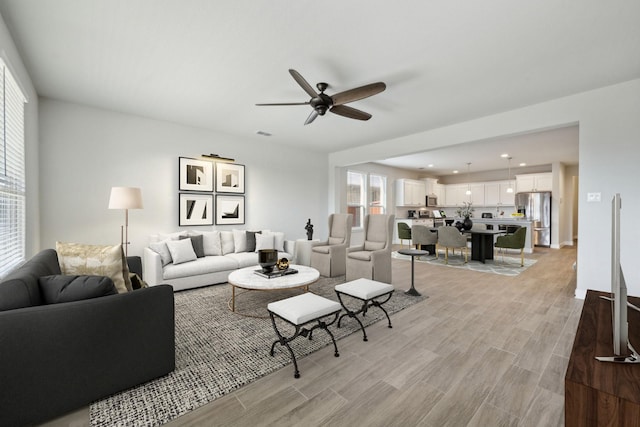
(432, 201)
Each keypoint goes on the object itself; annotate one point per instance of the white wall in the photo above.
(11, 57)
(609, 144)
(86, 151)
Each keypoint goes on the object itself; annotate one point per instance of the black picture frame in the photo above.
(230, 178)
(229, 209)
(195, 209)
(195, 175)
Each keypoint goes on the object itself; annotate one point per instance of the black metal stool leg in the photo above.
(354, 315)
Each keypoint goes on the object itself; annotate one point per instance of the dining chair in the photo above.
(513, 241)
(424, 236)
(404, 232)
(450, 237)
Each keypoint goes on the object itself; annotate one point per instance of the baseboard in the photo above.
(580, 294)
(567, 243)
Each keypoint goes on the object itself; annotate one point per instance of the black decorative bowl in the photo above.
(267, 258)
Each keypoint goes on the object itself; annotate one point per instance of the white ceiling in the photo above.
(206, 63)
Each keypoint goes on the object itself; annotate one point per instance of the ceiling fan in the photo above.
(321, 102)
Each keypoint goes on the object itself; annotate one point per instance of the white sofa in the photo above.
(224, 252)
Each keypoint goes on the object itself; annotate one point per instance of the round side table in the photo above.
(413, 253)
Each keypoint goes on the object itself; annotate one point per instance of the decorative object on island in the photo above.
(125, 198)
(195, 175)
(309, 228)
(466, 212)
(267, 258)
(229, 209)
(229, 178)
(196, 209)
(283, 264)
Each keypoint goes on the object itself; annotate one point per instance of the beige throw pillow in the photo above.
(95, 260)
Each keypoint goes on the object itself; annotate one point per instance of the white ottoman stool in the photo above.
(300, 311)
(368, 291)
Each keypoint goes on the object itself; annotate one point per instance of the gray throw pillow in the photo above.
(59, 288)
(251, 240)
(197, 243)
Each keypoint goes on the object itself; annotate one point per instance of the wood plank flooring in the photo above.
(482, 350)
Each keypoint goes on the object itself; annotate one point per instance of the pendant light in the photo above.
(468, 192)
(509, 188)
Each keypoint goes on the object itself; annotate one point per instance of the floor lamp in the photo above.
(125, 198)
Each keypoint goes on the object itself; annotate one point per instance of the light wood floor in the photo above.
(482, 350)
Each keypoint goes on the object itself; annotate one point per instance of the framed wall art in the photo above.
(196, 209)
(229, 178)
(229, 209)
(195, 175)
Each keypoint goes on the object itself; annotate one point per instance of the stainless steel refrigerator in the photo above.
(536, 207)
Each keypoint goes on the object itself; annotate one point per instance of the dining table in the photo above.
(482, 243)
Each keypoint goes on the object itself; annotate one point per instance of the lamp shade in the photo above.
(125, 198)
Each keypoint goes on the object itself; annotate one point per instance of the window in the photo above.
(12, 172)
(360, 195)
(377, 194)
(355, 197)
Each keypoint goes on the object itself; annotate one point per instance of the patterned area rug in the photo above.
(218, 351)
(510, 266)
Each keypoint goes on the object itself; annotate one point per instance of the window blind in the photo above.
(12, 172)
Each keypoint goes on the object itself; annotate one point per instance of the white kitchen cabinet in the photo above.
(431, 184)
(410, 192)
(534, 182)
(477, 194)
(439, 190)
(456, 194)
(495, 193)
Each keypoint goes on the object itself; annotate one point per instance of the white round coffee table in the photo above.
(246, 278)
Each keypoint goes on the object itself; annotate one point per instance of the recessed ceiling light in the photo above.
(263, 133)
(430, 165)
(455, 171)
(505, 155)
(523, 164)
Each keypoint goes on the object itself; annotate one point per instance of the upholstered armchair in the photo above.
(425, 239)
(450, 237)
(513, 241)
(372, 259)
(329, 257)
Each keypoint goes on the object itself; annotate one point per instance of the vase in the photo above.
(267, 258)
(467, 223)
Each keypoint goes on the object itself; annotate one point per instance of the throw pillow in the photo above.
(161, 249)
(196, 242)
(264, 241)
(373, 246)
(137, 282)
(278, 241)
(58, 288)
(181, 251)
(251, 241)
(226, 240)
(211, 243)
(95, 260)
(171, 236)
(239, 240)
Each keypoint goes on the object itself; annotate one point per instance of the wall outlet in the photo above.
(593, 197)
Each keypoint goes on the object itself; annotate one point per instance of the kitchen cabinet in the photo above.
(439, 190)
(431, 185)
(534, 182)
(495, 193)
(477, 194)
(410, 192)
(455, 194)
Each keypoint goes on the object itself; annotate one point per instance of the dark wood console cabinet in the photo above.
(600, 393)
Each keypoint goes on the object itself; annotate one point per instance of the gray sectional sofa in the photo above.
(215, 255)
(58, 357)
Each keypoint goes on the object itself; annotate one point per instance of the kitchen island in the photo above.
(497, 222)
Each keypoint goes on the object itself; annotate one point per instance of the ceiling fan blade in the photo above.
(358, 93)
(311, 117)
(303, 83)
(350, 112)
(286, 103)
